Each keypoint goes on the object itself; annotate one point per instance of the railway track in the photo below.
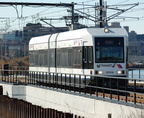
(128, 96)
(138, 84)
(131, 98)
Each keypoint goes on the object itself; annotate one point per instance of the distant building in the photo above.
(11, 44)
(134, 48)
(1, 36)
(15, 43)
(140, 37)
(115, 25)
(14, 35)
(132, 36)
(126, 28)
(33, 30)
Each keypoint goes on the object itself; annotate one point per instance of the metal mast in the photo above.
(101, 13)
(70, 5)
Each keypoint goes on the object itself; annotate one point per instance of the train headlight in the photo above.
(99, 72)
(120, 72)
(106, 30)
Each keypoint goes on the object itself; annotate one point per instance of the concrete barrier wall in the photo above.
(14, 91)
(80, 105)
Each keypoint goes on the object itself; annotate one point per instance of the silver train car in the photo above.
(88, 51)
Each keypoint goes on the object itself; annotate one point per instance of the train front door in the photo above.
(87, 59)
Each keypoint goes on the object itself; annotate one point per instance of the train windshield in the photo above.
(109, 49)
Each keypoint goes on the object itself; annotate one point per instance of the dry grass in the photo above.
(15, 62)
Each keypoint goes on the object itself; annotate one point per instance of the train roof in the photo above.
(80, 33)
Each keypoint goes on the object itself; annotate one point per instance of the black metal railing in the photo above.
(114, 88)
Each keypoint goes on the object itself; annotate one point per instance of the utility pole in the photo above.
(101, 13)
(71, 5)
(72, 20)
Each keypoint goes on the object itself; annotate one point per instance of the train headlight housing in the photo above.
(99, 72)
(120, 72)
(106, 30)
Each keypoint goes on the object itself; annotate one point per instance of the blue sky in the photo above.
(134, 18)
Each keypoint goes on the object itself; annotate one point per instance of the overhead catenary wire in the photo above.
(45, 12)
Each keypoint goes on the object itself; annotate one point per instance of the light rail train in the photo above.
(88, 51)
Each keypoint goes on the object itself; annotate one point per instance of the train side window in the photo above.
(70, 57)
(45, 58)
(58, 57)
(31, 60)
(52, 58)
(62, 59)
(77, 57)
(90, 54)
(39, 59)
(36, 58)
(85, 55)
(66, 58)
(74, 58)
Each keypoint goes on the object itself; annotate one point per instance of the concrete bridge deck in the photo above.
(83, 105)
